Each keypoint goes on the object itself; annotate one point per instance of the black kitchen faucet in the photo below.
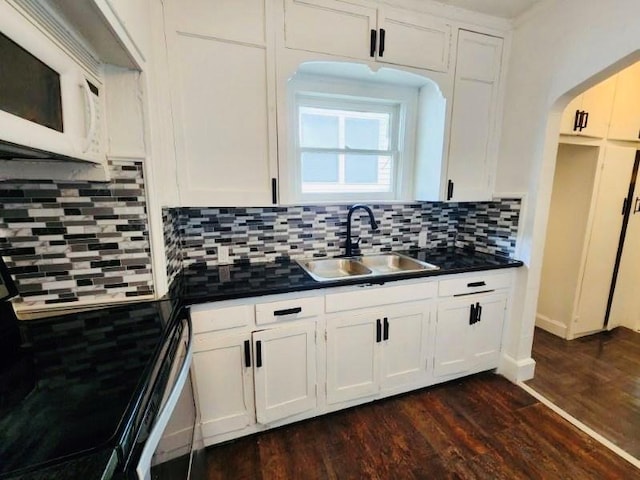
(353, 248)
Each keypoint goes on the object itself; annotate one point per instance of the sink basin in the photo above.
(327, 269)
(334, 268)
(387, 263)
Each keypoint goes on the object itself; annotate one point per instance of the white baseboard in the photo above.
(516, 370)
(552, 326)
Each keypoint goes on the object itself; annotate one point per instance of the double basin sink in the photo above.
(332, 269)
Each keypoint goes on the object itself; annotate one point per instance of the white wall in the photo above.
(558, 50)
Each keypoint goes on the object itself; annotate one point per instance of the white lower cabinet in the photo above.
(284, 371)
(224, 382)
(376, 349)
(291, 357)
(468, 334)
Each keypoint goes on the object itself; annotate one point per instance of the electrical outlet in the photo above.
(422, 238)
(223, 255)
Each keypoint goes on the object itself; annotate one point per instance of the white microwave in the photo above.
(49, 109)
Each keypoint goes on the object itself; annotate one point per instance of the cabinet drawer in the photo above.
(375, 296)
(288, 310)
(208, 318)
(475, 284)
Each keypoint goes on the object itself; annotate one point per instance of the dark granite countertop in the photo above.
(67, 398)
(201, 283)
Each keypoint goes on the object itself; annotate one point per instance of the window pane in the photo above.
(361, 169)
(318, 131)
(367, 133)
(320, 167)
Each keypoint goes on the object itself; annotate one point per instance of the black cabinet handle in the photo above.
(372, 45)
(478, 312)
(476, 284)
(577, 120)
(247, 353)
(585, 120)
(378, 331)
(449, 190)
(472, 315)
(381, 49)
(385, 334)
(287, 311)
(258, 353)
(274, 191)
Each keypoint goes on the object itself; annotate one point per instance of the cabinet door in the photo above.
(568, 122)
(413, 39)
(285, 371)
(486, 334)
(352, 356)
(236, 20)
(625, 309)
(472, 139)
(224, 121)
(596, 103)
(329, 26)
(453, 341)
(224, 383)
(613, 187)
(404, 346)
(625, 114)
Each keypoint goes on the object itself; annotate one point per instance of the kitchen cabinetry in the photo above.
(586, 218)
(376, 349)
(468, 333)
(384, 34)
(223, 98)
(588, 114)
(473, 137)
(625, 114)
(247, 377)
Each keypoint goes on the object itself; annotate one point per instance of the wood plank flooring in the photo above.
(481, 427)
(596, 379)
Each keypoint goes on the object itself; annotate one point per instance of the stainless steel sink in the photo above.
(334, 268)
(387, 263)
(328, 269)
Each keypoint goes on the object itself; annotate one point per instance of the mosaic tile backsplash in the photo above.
(270, 233)
(66, 242)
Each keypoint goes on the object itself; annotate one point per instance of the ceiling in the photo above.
(497, 8)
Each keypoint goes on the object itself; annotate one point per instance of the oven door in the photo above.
(169, 445)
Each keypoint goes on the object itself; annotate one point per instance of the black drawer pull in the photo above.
(247, 353)
(476, 284)
(287, 311)
(378, 331)
(258, 353)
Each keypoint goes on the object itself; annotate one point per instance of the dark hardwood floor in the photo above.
(482, 427)
(596, 379)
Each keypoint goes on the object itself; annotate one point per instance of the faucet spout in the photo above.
(349, 244)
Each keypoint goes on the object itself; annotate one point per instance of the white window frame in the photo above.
(346, 94)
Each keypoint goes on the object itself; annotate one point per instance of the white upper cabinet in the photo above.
(330, 26)
(385, 34)
(625, 114)
(473, 137)
(413, 39)
(588, 114)
(223, 101)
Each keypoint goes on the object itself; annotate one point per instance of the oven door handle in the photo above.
(143, 469)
